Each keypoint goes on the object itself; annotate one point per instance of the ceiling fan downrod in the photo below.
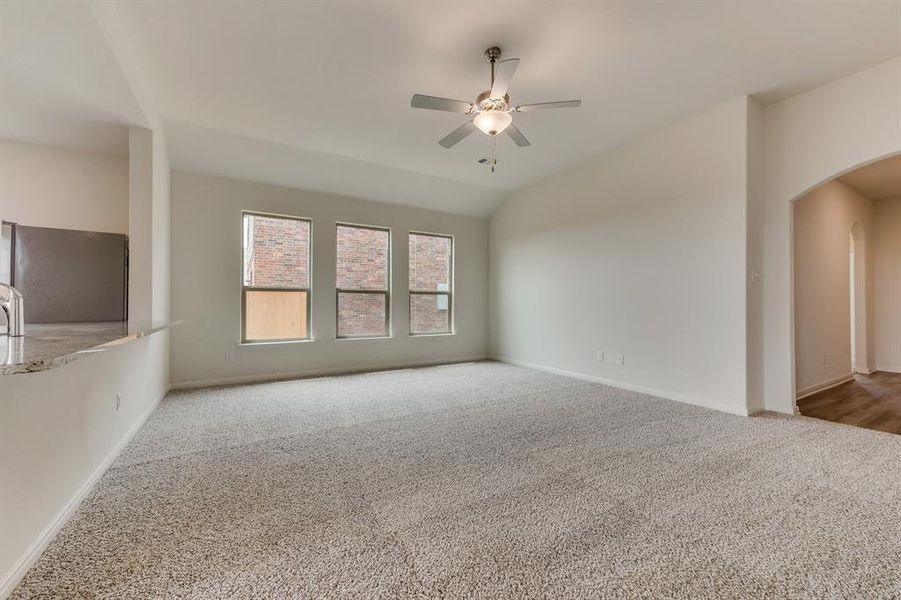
(492, 55)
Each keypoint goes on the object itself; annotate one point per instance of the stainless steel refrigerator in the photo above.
(66, 276)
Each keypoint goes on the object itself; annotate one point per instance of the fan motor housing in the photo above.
(492, 54)
(484, 102)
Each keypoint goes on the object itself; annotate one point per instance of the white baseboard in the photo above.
(826, 385)
(31, 555)
(666, 394)
(281, 376)
(889, 368)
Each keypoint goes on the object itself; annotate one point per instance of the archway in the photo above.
(807, 140)
(843, 237)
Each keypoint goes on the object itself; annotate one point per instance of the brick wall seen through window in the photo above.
(362, 274)
(277, 253)
(431, 299)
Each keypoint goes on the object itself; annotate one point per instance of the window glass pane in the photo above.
(429, 313)
(430, 259)
(275, 315)
(361, 314)
(276, 252)
(362, 258)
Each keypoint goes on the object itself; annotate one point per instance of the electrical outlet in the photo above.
(118, 402)
(229, 356)
(620, 360)
(600, 356)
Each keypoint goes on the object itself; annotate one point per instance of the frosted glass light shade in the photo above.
(493, 122)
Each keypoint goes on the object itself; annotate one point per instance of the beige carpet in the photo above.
(481, 480)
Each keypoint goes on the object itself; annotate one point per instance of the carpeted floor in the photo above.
(482, 480)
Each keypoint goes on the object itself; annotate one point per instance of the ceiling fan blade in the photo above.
(517, 136)
(503, 75)
(457, 134)
(544, 105)
(445, 104)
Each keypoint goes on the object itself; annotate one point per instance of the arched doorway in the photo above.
(844, 233)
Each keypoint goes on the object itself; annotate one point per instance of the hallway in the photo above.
(870, 401)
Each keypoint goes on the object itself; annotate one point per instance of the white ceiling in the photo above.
(316, 94)
(59, 82)
(880, 180)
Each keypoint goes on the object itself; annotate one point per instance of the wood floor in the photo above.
(870, 401)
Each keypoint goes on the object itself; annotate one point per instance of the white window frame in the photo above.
(386, 291)
(449, 293)
(257, 288)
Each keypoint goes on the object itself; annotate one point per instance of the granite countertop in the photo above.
(45, 346)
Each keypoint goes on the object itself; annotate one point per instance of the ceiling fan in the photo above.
(492, 111)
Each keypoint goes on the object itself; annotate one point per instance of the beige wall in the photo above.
(755, 250)
(641, 251)
(66, 189)
(140, 260)
(887, 263)
(206, 284)
(823, 221)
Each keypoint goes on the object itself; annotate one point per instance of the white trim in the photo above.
(287, 375)
(887, 369)
(432, 335)
(274, 343)
(826, 385)
(865, 371)
(37, 547)
(666, 394)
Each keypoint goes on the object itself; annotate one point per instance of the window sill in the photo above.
(273, 343)
(432, 335)
(364, 337)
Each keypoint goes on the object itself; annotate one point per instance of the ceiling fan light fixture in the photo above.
(493, 122)
(492, 111)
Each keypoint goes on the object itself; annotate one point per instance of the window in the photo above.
(362, 281)
(431, 283)
(275, 301)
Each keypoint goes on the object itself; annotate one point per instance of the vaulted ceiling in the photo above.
(317, 94)
(59, 82)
